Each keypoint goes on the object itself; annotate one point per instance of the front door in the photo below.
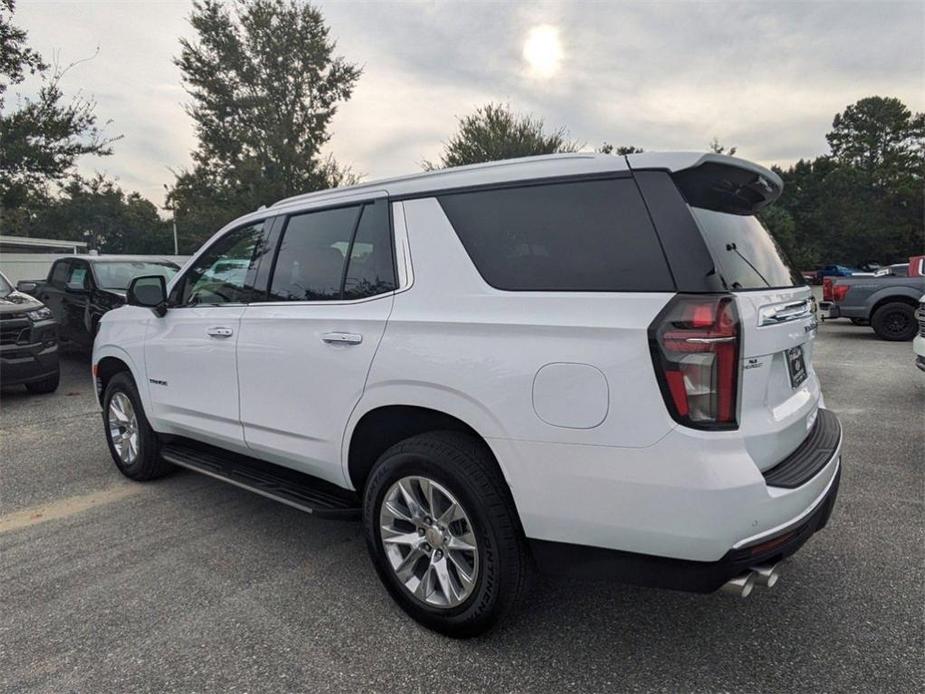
(190, 351)
(303, 356)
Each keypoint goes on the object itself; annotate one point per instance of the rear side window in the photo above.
(744, 252)
(312, 263)
(581, 236)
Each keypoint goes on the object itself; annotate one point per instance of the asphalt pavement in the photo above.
(191, 585)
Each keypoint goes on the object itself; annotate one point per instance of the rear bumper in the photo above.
(918, 348)
(691, 496)
(678, 574)
(828, 310)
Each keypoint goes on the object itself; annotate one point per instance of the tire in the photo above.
(461, 467)
(46, 385)
(859, 321)
(142, 461)
(895, 322)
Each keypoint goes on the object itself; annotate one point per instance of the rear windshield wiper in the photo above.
(733, 248)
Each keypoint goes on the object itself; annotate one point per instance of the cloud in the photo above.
(767, 79)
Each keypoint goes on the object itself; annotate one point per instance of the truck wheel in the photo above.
(133, 444)
(443, 533)
(894, 321)
(46, 385)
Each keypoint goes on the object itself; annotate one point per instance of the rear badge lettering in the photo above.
(752, 364)
(157, 382)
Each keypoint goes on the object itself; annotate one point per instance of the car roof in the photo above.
(427, 183)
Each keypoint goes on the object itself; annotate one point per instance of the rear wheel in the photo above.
(443, 533)
(894, 321)
(133, 444)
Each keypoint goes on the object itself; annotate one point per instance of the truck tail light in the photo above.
(695, 342)
(826, 288)
(839, 291)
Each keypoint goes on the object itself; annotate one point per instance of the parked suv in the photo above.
(28, 341)
(589, 363)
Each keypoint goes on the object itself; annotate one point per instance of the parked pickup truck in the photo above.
(888, 303)
(80, 289)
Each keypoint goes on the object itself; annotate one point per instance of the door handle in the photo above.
(219, 332)
(342, 338)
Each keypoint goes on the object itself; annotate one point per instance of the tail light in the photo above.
(826, 288)
(695, 343)
(839, 291)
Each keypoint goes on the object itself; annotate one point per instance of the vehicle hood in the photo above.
(17, 302)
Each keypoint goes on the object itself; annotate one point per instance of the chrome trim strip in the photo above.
(785, 312)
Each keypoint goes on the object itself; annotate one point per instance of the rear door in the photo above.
(304, 352)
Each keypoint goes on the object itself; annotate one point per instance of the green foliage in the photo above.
(265, 84)
(717, 148)
(98, 211)
(16, 58)
(620, 150)
(495, 132)
(864, 202)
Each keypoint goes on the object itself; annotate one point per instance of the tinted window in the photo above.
(224, 273)
(745, 253)
(312, 254)
(312, 261)
(582, 236)
(371, 270)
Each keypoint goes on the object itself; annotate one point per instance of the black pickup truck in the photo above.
(81, 288)
(28, 341)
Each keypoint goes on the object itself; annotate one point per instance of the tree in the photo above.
(864, 201)
(620, 150)
(495, 132)
(99, 211)
(265, 85)
(16, 58)
(879, 136)
(716, 147)
(42, 137)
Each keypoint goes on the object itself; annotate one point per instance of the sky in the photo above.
(764, 77)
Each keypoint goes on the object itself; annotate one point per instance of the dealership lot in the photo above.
(188, 584)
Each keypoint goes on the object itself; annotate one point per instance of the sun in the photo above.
(543, 51)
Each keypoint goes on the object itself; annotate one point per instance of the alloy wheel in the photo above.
(429, 542)
(123, 428)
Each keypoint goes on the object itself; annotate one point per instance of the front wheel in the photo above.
(133, 444)
(895, 322)
(443, 533)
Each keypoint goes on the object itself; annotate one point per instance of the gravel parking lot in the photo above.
(189, 584)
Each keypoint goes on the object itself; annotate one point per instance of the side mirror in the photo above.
(26, 286)
(149, 291)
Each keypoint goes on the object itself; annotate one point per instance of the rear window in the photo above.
(581, 236)
(745, 253)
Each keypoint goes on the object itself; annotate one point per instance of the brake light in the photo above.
(695, 343)
(826, 288)
(839, 291)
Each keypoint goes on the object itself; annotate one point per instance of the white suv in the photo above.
(590, 363)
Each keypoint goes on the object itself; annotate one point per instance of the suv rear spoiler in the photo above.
(715, 181)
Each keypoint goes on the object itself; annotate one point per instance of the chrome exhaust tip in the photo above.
(766, 575)
(740, 585)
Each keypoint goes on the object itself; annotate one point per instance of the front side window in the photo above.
(224, 273)
(576, 236)
(341, 253)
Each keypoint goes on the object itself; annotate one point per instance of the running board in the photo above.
(282, 484)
